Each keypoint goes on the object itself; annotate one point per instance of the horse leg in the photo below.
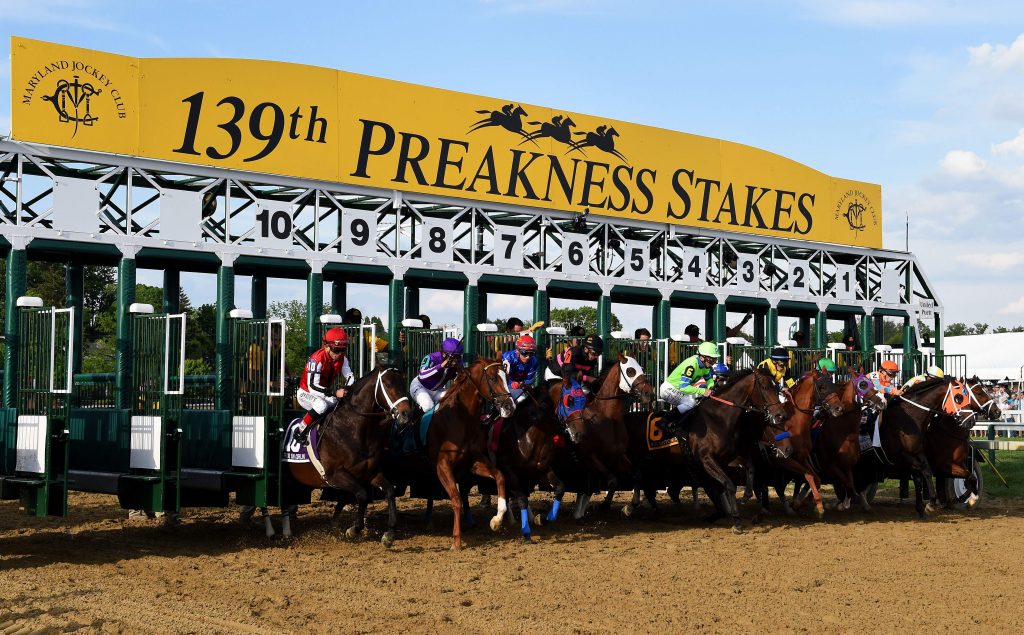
(447, 477)
(467, 508)
(268, 525)
(728, 493)
(287, 514)
(634, 504)
(336, 516)
(379, 481)
(428, 514)
(559, 487)
(815, 485)
(582, 500)
(918, 495)
(483, 468)
(524, 517)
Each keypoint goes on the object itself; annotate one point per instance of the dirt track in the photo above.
(854, 573)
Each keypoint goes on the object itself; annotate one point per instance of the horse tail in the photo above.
(483, 112)
(533, 123)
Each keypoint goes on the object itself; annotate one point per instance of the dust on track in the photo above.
(854, 572)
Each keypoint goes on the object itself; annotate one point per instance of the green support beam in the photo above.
(224, 355)
(481, 307)
(805, 327)
(771, 327)
(820, 330)
(867, 343)
(125, 298)
(541, 307)
(172, 291)
(604, 316)
(17, 282)
(470, 318)
(258, 297)
(396, 311)
(314, 306)
(908, 349)
(937, 341)
(759, 329)
(339, 297)
(74, 296)
(412, 302)
(718, 325)
(662, 321)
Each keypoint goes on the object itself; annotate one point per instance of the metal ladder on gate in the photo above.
(158, 387)
(257, 421)
(43, 410)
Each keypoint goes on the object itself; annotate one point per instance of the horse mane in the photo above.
(453, 391)
(733, 376)
(925, 385)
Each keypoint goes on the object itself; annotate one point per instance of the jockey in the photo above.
(885, 377)
(436, 370)
(827, 366)
(322, 369)
(680, 388)
(932, 372)
(578, 365)
(776, 365)
(521, 366)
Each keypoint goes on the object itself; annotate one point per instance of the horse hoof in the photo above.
(930, 509)
(972, 501)
(737, 529)
(819, 513)
(496, 523)
(628, 511)
(388, 539)
(352, 533)
(457, 546)
(527, 539)
(538, 519)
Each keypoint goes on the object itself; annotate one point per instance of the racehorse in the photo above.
(456, 442)
(598, 432)
(526, 451)
(812, 390)
(948, 446)
(902, 431)
(713, 436)
(352, 443)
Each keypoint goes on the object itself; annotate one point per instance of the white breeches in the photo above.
(317, 403)
(677, 398)
(425, 399)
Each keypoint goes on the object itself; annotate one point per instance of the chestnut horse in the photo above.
(352, 443)
(598, 432)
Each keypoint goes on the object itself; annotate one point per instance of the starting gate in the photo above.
(418, 344)
(157, 392)
(43, 409)
(362, 343)
(257, 422)
(490, 343)
(652, 355)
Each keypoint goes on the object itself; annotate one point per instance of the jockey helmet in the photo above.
(890, 366)
(826, 365)
(781, 354)
(594, 343)
(526, 344)
(720, 369)
(336, 338)
(708, 349)
(935, 371)
(451, 346)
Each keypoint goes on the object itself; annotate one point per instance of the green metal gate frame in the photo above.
(158, 382)
(43, 409)
(257, 422)
(652, 355)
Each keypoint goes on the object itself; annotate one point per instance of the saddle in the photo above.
(412, 438)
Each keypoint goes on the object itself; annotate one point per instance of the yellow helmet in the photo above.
(935, 371)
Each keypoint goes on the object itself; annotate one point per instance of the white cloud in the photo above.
(1013, 146)
(1000, 57)
(508, 305)
(992, 262)
(1013, 308)
(962, 163)
(888, 13)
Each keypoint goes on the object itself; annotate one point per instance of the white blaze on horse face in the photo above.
(629, 371)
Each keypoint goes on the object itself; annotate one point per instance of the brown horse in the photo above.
(352, 443)
(455, 440)
(948, 446)
(714, 438)
(812, 390)
(598, 432)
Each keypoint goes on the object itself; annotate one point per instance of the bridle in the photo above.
(380, 391)
(817, 401)
(988, 405)
(748, 407)
(496, 401)
(949, 397)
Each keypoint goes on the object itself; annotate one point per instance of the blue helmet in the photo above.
(451, 346)
(720, 369)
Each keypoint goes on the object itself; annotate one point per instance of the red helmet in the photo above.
(526, 343)
(336, 338)
(890, 366)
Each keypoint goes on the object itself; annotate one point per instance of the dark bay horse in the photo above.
(598, 432)
(526, 451)
(948, 446)
(715, 437)
(456, 443)
(352, 443)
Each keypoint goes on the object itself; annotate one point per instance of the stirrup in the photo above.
(302, 436)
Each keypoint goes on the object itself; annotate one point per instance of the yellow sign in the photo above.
(310, 122)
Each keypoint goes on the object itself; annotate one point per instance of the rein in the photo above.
(490, 384)
(392, 408)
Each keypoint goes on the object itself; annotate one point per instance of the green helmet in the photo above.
(708, 349)
(827, 365)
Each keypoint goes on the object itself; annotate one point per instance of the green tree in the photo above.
(584, 316)
(956, 329)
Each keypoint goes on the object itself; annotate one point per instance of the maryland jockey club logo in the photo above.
(856, 209)
(72, 102)
(560, 128)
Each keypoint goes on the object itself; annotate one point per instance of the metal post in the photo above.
(258, 297)
(314, 306)
(759, 329)
(820, 329)
(17, 282)
(124, 362)
(172, 291)
(937, 341)
(541, 307)
(866, 334)
(878, 328)
(908, 349)
(339, 297)
(604, 316)
(805, 328)
(224, 354)
(771, 327)
(74, 294)
(470, 318)
(396, 311)
(412, 302)
(481, 306)
(718, 326)
(662, 322)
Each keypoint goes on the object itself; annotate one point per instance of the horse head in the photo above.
(983, 400)
(864, 392)
(826, 393)
(390, 394)
(488, 376)
(764, 397)
(633, 381)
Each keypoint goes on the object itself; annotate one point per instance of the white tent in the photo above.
(993, 356)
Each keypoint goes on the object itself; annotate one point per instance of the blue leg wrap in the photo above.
(524, 519)
(553, 514)
(782, 435)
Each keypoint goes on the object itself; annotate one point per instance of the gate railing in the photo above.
(652, 355)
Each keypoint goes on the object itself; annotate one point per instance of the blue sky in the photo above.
(923, 97)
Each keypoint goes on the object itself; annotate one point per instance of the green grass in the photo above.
(1010, 464)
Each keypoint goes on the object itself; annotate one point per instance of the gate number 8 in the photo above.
(436, 243)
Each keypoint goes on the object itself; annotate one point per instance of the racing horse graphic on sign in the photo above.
(559, 129)
(603, 138)
(510, 117)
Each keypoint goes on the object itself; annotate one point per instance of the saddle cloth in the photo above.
(292, 450)
(411, 439)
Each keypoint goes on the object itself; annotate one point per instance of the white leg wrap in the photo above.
(502, 508)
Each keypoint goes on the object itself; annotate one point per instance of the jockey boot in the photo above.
(302, 435)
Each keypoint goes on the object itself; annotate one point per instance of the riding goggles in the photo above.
(338, 349)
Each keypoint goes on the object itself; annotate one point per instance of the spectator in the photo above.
(513, 325)
(737, 330)
(693, 332)
(641, 334)
(352, 317)
(801, 339)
